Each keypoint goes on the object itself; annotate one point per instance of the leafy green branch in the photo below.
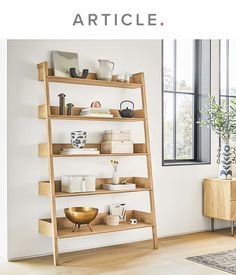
(219, 119)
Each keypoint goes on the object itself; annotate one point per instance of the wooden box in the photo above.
(116, 135)
(117, 147)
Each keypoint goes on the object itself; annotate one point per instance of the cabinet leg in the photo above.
(212, 224)
(232, 228)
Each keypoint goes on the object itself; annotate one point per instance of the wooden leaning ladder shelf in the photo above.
(59, 227)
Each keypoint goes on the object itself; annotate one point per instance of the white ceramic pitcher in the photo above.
(105, 70)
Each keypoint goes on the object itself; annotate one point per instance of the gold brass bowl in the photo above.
(81, 215)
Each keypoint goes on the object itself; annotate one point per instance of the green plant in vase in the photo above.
(221, 120)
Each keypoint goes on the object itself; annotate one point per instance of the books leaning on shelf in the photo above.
(80, 151)
(95, 112)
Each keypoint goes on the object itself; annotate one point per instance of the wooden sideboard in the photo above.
(220, 200)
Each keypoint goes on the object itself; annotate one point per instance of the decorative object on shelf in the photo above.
(116, 135)
(127, 78)
(80, 151)
(73, 73)
(70, 109)
(118, 210)
(96, 104)
(96, 112)
(81, 215)
(112, 220)
(62, 104)
(117, 142)
(62, 61)
(115, 174)
(120, 186)
(133, 221)
(78, 139)
(222, 121)
(120, 77)
(79, 183)
(123, 181)
(127, 112)
(117, 147)
(105, 69)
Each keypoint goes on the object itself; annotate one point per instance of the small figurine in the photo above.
(62, 104)
(123, 181)
(95, 104)
(73, 73)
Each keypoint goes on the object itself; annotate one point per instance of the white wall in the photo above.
(178, 190)
(3, 149)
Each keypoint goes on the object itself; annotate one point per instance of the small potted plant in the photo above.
(221, 120)
(115, 175)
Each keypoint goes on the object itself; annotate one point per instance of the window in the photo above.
(186, 83)
(227, 71)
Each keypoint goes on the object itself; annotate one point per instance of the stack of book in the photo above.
(96, 112)
(80, 151)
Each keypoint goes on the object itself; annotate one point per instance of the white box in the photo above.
(120, 135)
(117, 147)
(127, 186)
(80, 183)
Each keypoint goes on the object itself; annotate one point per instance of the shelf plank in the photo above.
(138, 115)
(98, 229)
(99, 155)
(94, 82)
(97, 118)
(91, 79)
(139, 150)
(142, 185)
(98, 225)
(100, 192)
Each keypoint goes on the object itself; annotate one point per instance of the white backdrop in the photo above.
(178, 190)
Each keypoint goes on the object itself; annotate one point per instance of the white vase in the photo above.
(105, 70)
(225, 168)
(115, 177)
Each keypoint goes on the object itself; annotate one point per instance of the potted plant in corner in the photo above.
(221, 120)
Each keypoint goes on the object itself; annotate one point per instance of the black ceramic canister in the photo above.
(61, 104)
(70, 109)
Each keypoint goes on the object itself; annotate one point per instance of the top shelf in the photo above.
(135, 81)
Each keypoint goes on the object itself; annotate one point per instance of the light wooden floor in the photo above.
(131, 259)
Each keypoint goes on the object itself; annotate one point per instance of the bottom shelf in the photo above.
(64, 226)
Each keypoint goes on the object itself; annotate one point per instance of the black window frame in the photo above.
(197, 105)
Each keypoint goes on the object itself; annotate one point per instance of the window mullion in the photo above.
(174, 101)
(227, 74)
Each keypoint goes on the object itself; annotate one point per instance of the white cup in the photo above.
(127, 78)
(120, 77)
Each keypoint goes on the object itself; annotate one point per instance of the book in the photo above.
(80, 151)
(96, 110)
(110, 186)
(96, 115)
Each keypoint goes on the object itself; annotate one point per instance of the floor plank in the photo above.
(137, 258)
